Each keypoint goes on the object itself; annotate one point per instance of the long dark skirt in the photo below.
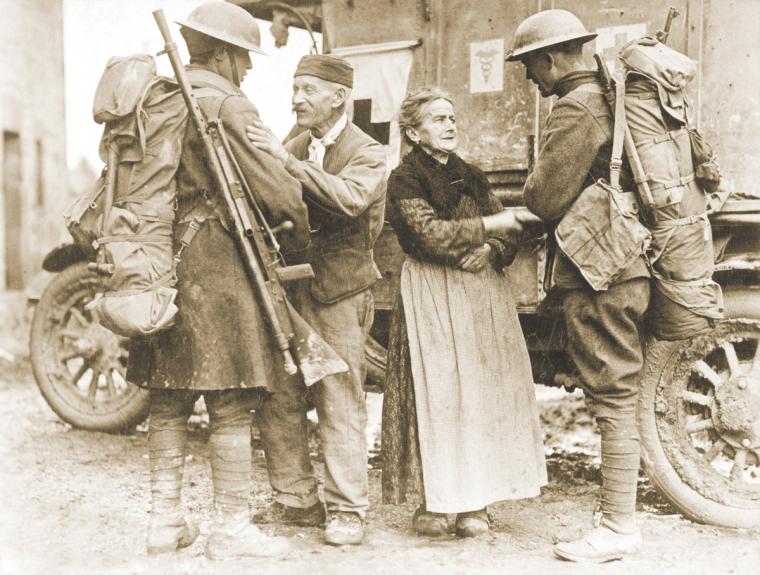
(402, 467)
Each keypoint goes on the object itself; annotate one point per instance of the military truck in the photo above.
(699, 410)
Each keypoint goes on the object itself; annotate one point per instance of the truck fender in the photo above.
(62, 256)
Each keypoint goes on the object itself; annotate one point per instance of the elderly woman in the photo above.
(460, 424)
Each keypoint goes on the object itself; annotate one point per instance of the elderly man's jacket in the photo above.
(575, 151)
(346, 199)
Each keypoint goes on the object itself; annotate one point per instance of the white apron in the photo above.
(479, 433)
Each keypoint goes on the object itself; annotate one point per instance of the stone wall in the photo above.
(32, 142)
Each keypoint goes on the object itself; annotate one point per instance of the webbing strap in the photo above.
(616, 161)
(164, 280)
(666, 185)
(699, 282)
(216, 107)
(148, 212)
(660, 138)
(140, 238)
(199, 215)
(682, 221)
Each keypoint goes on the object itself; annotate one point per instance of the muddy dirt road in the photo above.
(76, 502)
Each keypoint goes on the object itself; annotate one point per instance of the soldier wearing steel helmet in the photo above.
(604, 337)
(221, 347)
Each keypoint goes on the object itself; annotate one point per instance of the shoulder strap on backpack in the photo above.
(623, 138)
(618, 134)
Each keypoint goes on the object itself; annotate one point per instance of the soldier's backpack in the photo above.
(126, 222)
(680, 170)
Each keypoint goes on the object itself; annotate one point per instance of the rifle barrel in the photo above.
(212, 156)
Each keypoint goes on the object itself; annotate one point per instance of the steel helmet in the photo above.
(547, 28)
(224, 22)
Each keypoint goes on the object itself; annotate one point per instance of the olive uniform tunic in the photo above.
(603, 328)
(575, 151)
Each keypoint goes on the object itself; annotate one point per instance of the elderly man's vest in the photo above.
(341, 250)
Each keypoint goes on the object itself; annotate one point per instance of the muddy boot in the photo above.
(168, 529)
(472, 523)
(429, 524)
(167, 533)
(599, 545)
(234, 537)
(344, 528)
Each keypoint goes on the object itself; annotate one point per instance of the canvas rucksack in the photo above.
(126, 222)
(680, 169)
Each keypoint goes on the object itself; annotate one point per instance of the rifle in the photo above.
(256, 240)
(662, 35)
(646, 199)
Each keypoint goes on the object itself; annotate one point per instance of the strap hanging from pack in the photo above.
(618, 135)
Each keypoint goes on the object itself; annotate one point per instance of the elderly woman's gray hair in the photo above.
(410, 114)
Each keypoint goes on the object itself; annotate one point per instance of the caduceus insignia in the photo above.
(485, 57)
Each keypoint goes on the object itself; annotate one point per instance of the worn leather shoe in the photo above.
(472, 523)
(429, 524)
(240, 539)
(166, 534)
(344, 528)
(599, 545)
(313, 516)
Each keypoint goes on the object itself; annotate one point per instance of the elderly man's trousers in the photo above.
(341, 411)
(605, 343)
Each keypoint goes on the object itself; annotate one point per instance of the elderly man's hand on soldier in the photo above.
(265, 139)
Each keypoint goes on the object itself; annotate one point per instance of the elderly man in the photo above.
(221, 349)
(604, 338)
(342, 172)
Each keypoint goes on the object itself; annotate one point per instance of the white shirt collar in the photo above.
(329, 138)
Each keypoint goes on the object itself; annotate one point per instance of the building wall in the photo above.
(32, 143)
(729, 87)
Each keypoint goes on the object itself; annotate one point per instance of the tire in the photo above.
(69, 348)
(700, 430)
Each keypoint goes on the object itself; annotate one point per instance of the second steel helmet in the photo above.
(224, 22)
(547, 28)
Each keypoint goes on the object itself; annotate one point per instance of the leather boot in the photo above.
(167, 533)
(603, 543)
(429, 524)
(234, 537)
(344, 528)
(472, 523)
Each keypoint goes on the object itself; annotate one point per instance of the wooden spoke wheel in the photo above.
(699, 418)
(80, 366)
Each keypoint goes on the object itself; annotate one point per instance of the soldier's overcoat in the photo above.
(221, 339)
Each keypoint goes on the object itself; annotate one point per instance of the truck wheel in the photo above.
(699, 418)
(79, 365)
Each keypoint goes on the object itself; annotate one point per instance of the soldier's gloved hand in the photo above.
(264, 139)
